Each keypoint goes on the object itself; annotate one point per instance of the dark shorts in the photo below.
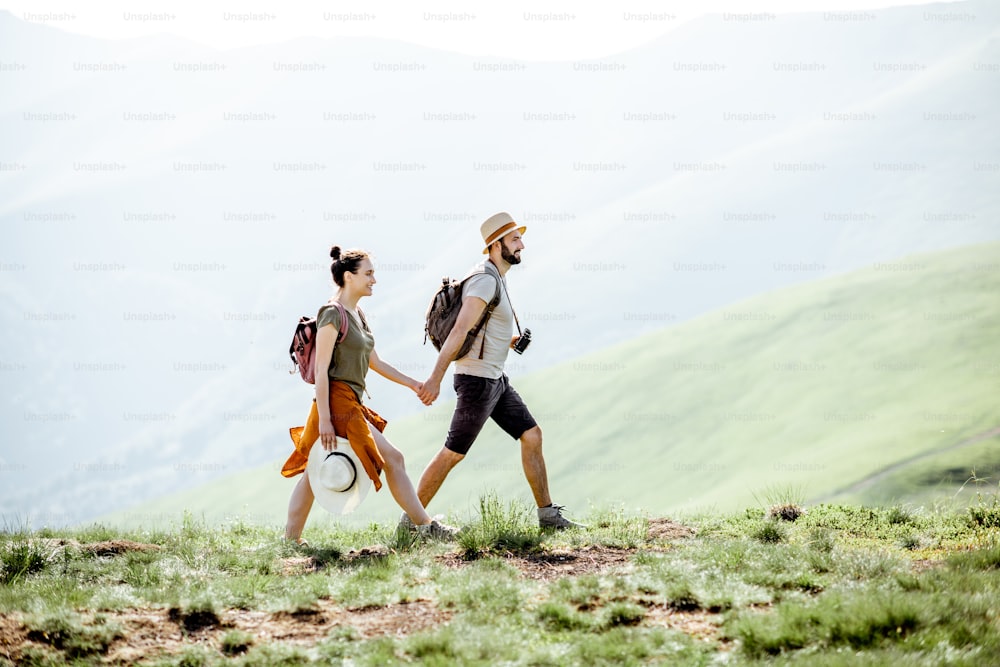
(480, 399)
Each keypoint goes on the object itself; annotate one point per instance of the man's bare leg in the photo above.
(534, 465)
(435, 473)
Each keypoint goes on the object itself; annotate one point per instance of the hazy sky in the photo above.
(524, 29)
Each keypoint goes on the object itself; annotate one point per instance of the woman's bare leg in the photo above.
(298, 508)
(399, 482)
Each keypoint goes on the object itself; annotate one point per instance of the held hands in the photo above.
(428, 391)
(418, 389)
(327, 435)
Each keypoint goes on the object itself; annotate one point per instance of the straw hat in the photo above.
(496, 227)
(337, 478)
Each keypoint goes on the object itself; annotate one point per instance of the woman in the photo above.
(339, 405)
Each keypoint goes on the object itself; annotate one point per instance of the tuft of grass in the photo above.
(584, 592)
(484, 592)
(236, 642)
(20, 558)
(37, 656)
(559, 617)
(983, 560)
(500, 528)
(628, 645)
(860, 621)
(323, 556)
(275, 655)
(780, 495)
(623, 614)
(899, 515)
(985, 516)
(194, 617)
(66, 632)
(403, 539)
(768, 532)
(821, 540)
(613, 527)
(436, 648)
(682, 598)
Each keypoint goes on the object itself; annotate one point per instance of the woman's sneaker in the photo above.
(436, 530)
(551, 517)
(406, 523)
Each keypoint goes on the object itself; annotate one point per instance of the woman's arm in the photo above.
(390, 372)
(326, 336)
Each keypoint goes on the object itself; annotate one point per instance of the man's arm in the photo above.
(468, 316)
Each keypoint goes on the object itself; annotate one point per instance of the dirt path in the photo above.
(875, 477)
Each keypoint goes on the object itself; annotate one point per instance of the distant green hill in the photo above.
(805, 390)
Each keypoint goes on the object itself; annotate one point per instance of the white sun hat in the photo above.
(338, 480)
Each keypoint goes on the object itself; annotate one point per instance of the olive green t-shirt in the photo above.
(350, 357)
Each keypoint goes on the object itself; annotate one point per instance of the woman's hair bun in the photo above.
(335, 252)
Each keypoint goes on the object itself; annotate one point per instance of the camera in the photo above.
(522, 341)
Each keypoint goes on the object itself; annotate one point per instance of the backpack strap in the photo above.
(342, 334)
(490, 307)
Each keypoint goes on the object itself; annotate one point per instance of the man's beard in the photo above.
(507, 255)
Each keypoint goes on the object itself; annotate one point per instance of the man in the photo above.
(482, 388)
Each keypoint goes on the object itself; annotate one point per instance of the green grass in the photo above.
(806, 391)
(499, 528)
(21, 557)
(841, 584)
(953, 478)
(885, 585)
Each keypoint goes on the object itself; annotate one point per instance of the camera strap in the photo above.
(504, 283)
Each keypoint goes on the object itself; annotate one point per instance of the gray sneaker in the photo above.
(436, 530)
(406, 523)
(551, 517)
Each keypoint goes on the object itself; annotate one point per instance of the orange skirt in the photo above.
(350, 420)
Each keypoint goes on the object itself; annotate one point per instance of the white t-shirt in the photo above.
(498, 330)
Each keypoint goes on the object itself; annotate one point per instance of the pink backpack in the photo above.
(303, 347)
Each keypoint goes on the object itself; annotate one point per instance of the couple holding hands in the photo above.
(344, 355)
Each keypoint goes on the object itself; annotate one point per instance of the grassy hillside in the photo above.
(838, 585)
(808, 389)
(951, 478)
